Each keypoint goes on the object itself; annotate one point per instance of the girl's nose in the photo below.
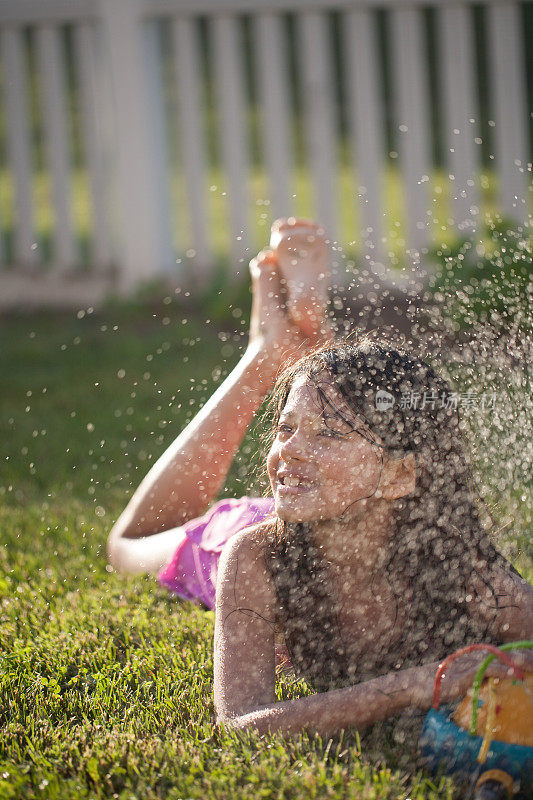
(294, 447)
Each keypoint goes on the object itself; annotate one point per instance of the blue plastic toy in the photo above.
(493, 769)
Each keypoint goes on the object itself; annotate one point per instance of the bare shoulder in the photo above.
(243, 569)
(249, 545)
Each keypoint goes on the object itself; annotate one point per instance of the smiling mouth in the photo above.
(292, 484)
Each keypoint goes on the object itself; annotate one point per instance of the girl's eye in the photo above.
(283, 428)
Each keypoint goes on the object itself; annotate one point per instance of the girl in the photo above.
(371, 560)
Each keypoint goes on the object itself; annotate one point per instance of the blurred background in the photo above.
(156, 140)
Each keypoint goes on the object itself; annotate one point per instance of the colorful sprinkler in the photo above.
(487, 740)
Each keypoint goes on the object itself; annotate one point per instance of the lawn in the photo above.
(106, 681)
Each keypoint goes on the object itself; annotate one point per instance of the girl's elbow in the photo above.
(114, 557)
(116, 541)
(116, 549)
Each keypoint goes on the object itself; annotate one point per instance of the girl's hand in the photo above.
(460, 675)
(302, 251)
(272, 331)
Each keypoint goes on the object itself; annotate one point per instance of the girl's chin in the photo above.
(295, 512)
(301, 509)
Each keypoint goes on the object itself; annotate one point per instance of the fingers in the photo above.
(522, 659)
(265, 256)
(299, 252)
(264, 261)
(462, 673)
(287, 223)
(266, 288)
(297, 234)
(498, 670)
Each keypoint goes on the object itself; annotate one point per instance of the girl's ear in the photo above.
(399, 477)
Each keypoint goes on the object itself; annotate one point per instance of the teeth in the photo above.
(291, 480)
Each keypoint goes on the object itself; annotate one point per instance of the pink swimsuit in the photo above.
(192, 571)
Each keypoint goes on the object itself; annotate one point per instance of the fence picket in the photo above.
(52, 70)
(272, 72)
(142, 240)
(233, 135)
(316, 85)
(84, 47)
(191, 113)
(366, 123)
(18, 143)
(509, 93)
(457, 57)
(411, 120)
(158, 143)
(3, 253)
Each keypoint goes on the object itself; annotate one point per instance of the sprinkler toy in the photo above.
(487, 740)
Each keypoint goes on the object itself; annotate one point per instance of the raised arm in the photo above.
(186, 478)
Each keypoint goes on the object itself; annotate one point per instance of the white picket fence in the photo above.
(145, 83)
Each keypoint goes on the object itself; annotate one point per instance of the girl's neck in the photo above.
(362, 540)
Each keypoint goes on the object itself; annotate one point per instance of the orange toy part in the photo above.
(514, 710)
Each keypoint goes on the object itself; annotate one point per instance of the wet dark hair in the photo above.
(440, 541)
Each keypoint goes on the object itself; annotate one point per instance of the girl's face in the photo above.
(319, 465)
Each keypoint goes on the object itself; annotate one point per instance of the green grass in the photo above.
(106, 681)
